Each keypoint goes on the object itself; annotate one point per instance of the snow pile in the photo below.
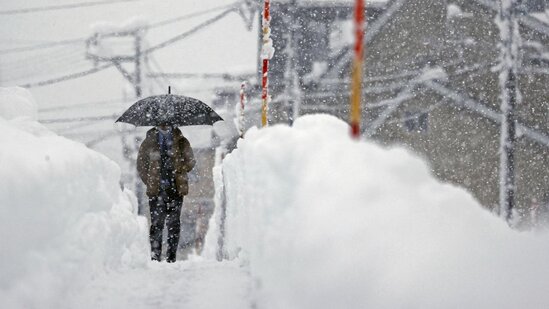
(131, 25)
(328, 222)
(64, 217)
(16, 102)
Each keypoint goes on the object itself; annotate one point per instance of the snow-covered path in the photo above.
(187, 284)
(319, 220)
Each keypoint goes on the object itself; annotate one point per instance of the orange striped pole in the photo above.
(266, 55)
(356, 75)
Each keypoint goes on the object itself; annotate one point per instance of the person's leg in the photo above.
(158, 217)
(173, 224)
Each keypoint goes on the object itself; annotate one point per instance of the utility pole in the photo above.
(138, 58)
(510, 38)
(292, 92)
(130, 142)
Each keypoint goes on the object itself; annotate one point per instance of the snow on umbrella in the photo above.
(169, 109)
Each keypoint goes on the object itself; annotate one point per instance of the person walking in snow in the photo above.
(164, 159)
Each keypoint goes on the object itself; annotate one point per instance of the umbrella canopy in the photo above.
(169, 109)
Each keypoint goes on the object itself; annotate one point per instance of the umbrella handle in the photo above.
(169, 89)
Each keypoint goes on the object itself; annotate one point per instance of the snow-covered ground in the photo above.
(328, 222)
(194, 284)
(314, 220)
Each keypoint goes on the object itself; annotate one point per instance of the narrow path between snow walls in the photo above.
(71, 238)
(328, 222)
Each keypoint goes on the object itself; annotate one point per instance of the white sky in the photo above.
(223, 47)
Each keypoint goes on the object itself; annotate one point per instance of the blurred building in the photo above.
(431, 83)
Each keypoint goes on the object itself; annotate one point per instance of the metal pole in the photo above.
(137, 74)
(291, 80)
(266, 54)
(242, 105)
(356, 77)
(508, 81)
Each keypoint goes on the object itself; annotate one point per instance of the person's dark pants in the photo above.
(165, 209)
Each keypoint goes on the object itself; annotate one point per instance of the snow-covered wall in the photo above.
(63, 215)
(328, 222)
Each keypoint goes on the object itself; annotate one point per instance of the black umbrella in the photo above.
(169, 109)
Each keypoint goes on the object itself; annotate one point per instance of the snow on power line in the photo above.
(45, 45)
(61, 7)
(132, 25)
(41, 46)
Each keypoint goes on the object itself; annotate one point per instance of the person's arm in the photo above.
(188, 156)
(143, 163)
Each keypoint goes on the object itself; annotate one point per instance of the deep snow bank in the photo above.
(327, 222)
(63, 216)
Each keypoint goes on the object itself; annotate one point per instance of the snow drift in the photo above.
(64, 217)
(328, 222)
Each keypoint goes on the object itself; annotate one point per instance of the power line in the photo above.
(191, 15)
(40, 66)
(59, 64)
(145, 52)
(61, 7)
(94, 103)
(188, 33)
(91, 118)
(68, 77)
(82, 40)
(40, 46)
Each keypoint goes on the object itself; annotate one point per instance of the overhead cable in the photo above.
(40, 46)
(82, 40)
(61, 7)
(91, 118)
(68, 77)
(191, 15)
(147, 51)
(80, 105)
(188, 33)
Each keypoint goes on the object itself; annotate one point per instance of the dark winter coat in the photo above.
(149, 165)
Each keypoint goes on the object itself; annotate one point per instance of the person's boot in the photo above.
(170, 255)
(156, 251)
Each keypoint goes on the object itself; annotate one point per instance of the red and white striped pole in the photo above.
(266, 54)
(356, 77)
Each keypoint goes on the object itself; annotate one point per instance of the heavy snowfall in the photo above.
(313, 219)
(438, 197)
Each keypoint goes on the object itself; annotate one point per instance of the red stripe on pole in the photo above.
(356, 75)
(267, 11)
(359, 28)
(265, 79)
(265, 69)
